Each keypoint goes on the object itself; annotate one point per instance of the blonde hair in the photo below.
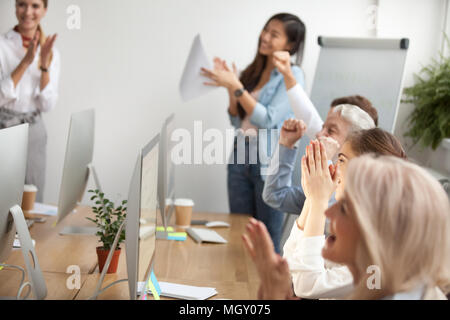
(403, 215)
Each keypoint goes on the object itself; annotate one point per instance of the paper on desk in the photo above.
(44, 209)
(184, 292)
(192, 82)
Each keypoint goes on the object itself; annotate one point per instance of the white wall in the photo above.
(422, 22)
(127, 59)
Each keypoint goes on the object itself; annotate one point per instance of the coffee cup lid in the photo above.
(184, 202)
(30, 188)
(169, 202)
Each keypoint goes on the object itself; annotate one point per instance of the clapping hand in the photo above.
(319, 180)
(273, 270)
(222, 75)
(46, 51)
(331, 146)
(32, 48)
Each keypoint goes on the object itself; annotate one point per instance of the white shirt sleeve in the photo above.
(7, 91)
(47, 98)
(310, 276)
(291, 243)
(304, 110)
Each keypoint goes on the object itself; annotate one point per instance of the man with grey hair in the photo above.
(346, 115)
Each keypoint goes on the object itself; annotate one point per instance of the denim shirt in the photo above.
(272, 109)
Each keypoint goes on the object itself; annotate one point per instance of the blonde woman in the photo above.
(29, 73)
(393, 217)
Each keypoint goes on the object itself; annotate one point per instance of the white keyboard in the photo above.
(205, 235)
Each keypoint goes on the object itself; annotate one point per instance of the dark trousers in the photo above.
(245, 188)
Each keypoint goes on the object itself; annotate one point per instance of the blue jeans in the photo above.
(245, 188)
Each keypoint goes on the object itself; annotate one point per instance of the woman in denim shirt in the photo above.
(258, 100)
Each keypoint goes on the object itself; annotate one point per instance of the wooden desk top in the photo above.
(226, 267)
(55, 252)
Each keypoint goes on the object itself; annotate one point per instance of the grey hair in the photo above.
(357, 117)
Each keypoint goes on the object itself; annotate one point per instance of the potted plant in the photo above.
(108, 219)
(429, 123)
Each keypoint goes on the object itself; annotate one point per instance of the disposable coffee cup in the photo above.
(183, 212)
(29, 197)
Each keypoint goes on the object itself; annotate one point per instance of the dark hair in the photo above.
(376, 141)
(295, 31)
(361, 102)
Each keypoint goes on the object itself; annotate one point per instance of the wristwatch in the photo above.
(239, 92)
(44, 69)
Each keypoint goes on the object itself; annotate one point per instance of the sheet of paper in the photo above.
(184, 292)
(40, 208)
(192, 82)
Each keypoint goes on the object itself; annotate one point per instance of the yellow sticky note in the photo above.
(169, 229)
(1, 268)
(54, 224)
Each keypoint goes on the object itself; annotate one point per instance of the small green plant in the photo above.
(108, 219)
(429, 123)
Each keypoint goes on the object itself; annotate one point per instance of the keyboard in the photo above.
(205, 235)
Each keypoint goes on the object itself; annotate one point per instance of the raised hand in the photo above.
(221, 78)
(331, 146)
(291, 132)
(220, 64)
(273, 270)
(282, 61)
(319, 179)
(46, 51)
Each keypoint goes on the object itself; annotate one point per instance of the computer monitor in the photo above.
(77, 168)
(13, 159)
(166, 178)
(141, 217)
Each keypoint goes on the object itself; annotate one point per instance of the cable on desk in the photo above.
(106, 288)
(22, 284)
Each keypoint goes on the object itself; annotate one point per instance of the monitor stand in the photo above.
(85, 231)
(35, 277)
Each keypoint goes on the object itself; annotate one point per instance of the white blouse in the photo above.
(313, 277)
(27, 96)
